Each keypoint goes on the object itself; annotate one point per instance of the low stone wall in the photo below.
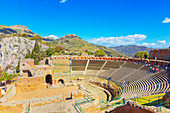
(35, 101)
(107, 87)
(29, 84)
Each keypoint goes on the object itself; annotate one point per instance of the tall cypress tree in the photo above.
(36, 54)
(18, 66)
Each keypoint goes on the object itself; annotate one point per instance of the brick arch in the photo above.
(48, 79)
(61, 81)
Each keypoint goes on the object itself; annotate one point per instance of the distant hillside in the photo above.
(16, 29)
(130, 50)
(69, 42)
(74, 43)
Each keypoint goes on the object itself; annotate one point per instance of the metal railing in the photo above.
(166, 105)
(82, 101)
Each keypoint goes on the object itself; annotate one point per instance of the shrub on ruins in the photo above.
(142, 54)
(100, 53)
(50, 51)
(25, 35)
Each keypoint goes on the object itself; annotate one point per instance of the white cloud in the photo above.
(53, 36)
(63, 1)
(148, 44)
(167, 20)
(114, 41)
(162, 42)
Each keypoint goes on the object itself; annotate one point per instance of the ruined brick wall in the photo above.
(43, 71)
(30, 84)
(160, 54)
(27, 67)
(26, 64)
(77, 94)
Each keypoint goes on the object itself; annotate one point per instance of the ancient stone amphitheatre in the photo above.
(71, 84)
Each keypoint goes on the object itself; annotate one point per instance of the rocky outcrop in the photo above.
(14, 48)
(19, 27)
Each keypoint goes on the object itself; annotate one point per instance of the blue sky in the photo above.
(103, 22)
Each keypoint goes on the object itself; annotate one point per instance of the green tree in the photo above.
(50, 51)
(142, 54)
(28, 55)
(2, 78)
(146, 55)
(100, 53)
(58, 49)
(36, 54)
(18, 66)
(72, 53)
(7, 76)
(36, 47)
(90, 53)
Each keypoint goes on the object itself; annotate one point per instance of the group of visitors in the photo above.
(153, 68)
(126, 82)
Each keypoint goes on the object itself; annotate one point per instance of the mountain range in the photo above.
(16, 29)
(130, 50)
(73, 42)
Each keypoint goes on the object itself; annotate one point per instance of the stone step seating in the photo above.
(136, 76)
(112, 64)
(61, 65)
(95, 64)
(77, 72)
(158, 83)
(78, 65)
(91, 72)
(106, 73)
(123, 71)
(78, 68)
(138, 89)
(144, 87)
(61, 62)
(146, 68)
(61, 69)
(163, 82)
(133, 65)
(138, 83)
